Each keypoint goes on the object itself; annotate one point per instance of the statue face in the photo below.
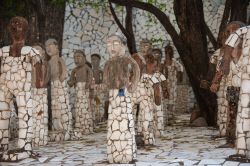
(157, 55)
(95, 61)
(114, 46)
(79, 59)
(52, 49)
(18, 27)
(151, 67)
(145, 47)
(41, 51)
(169, 52)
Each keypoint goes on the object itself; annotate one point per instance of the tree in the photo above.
(45, 17)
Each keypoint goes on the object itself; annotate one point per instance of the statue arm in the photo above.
(136, 75)
(72, 79)
(63, 73)
(89, 77)
(105, 78)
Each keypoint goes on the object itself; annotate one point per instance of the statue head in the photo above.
(116, 45)
(229, 52)
(151, 63)
(51, 47)
(18, 27)
(230, 28)
(79, 58)
(157, 55)
(169, 52)
(145, 46)
(95, 60)
(41, 49)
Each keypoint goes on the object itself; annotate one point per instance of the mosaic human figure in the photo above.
(235, 65)
(145, 47)
(81, 78)
(99, 98)
(61, 113)
(169, 69)
(121, 146)
(40, 102)
(144, 97)
(160, 113)
(221, 87)
(15, 80)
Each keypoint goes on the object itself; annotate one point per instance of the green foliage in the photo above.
(157, 41)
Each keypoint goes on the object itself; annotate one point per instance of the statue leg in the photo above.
(5, 97)
(25, 108)
(146, 122)
(121, 146)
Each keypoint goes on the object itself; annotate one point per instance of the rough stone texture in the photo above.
(178, 147)
(61, 114)
(16, 80)
(239, 73)
(98, 24)
(144, 96)
(159, 111)
(222, 115)
(13, 122)
(172, 84)
(40, 116)
(83, 115)
(121, 146)
(183, 95)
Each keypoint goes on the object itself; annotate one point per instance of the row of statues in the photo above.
(138, 94)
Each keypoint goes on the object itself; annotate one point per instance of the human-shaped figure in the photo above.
(40, 102)
(99, 98)
(15, 80)
(236, 64)
(160, 113)
(81, 78)
(221, 87)
(61, 114)
(158, 56)
(145, 47)
(169, 68)
(121, 146)
(144, 97)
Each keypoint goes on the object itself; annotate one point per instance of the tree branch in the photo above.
(129, 28)
(224, 21)
(161, 16)
(118, 22)
(210, 36)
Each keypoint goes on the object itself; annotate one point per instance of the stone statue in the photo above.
(223, 84)
(81, 78)
(143, 98)
(145, 47)
(170, 68)
(61, 114)
(99, 98)
(16, 69)
(40, 103)
(121, 146)
(220, 82)
(158, 56)
(235, 66)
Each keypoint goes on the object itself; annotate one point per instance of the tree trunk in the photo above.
(45, 19)
(191, 45)
(128, 29)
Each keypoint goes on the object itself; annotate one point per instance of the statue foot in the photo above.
(239, 158)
